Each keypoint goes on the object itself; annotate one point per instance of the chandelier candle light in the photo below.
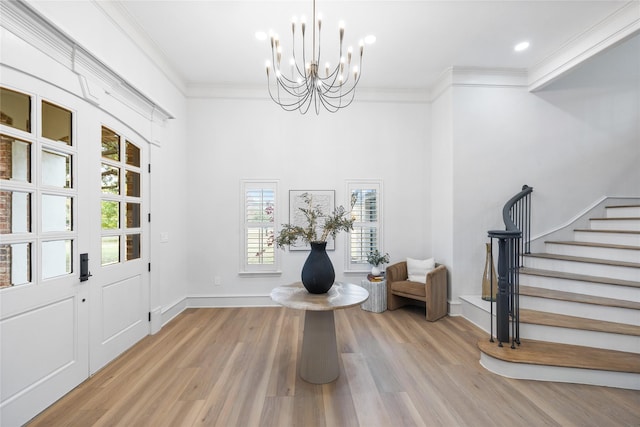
(307, 86)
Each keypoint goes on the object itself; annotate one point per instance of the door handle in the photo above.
(84, 267)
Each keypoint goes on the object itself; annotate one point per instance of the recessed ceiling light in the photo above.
(370, 39)
(261, 35)
(521, 46)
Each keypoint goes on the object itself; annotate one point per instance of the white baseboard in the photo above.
(172, 310)
(230, 301)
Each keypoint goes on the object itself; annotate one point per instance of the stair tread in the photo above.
(616, 218)
(591, 230)
(622, 206)
(574, 297)
(564, 355)
(584, 259)
(593, 244)
(580, 277)
(574, 322)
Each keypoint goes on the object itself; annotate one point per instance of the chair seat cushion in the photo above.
(408, 287)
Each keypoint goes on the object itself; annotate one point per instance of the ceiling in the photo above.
(214, 43)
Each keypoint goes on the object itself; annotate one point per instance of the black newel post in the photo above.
(503, 297)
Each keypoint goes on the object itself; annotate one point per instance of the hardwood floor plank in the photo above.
(237, 367)
(402, 410)
(366, 399)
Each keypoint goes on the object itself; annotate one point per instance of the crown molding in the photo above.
(478, 77)
(260, 92)
(617, 27)
(131, 28)
(97, 80)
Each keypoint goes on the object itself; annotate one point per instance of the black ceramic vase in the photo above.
(317, 272)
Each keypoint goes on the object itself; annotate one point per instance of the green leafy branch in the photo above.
(339, 220)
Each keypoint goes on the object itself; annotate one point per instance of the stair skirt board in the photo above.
(526, 371)
(596, 339)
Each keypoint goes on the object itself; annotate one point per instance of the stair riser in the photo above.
(614, 254)
(594, 339)
(598, 270)
(627, 212)
(524, 371)
(627, 293)
(590, 311)
(615, 224)
(610, 238)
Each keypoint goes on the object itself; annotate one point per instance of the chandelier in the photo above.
(302, 83)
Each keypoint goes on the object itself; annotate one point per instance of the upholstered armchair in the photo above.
(432, 294)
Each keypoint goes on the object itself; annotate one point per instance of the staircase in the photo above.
(580, 308)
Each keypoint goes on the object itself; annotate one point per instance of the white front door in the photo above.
(119, 289)
(56, 204)
(44, 307)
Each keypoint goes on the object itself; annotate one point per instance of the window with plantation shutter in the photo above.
(259, 211)
(367, 228)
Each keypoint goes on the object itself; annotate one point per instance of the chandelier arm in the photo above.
(351, 90)
(353, 86)
(293, 54)
(291, 90)
(340, 105)
(286, 106)
(330, 106)
(299, 100)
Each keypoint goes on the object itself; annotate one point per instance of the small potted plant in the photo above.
(375, 259)
(317, 273)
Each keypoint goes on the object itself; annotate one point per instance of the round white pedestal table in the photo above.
(319, 357)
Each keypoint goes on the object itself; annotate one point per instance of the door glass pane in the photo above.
(15, 215)
(110, 215)
(56, 169)
(133, 246)
(133, 154)
(56, 123)
(15, 109)
(110, 144)
(110, 179)
(15, 264)
(56, 213)
(15, 159)
(56, 258)
(110, 250)
(133, 215)
(133, 184)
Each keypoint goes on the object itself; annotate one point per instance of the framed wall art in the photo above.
(325, 200)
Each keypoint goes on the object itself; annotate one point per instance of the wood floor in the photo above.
(237, 367)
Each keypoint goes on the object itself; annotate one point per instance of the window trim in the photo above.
(365, 184)
(258, 269)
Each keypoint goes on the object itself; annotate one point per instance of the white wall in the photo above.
(441, 171)
(574, 142)
(231, 140)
